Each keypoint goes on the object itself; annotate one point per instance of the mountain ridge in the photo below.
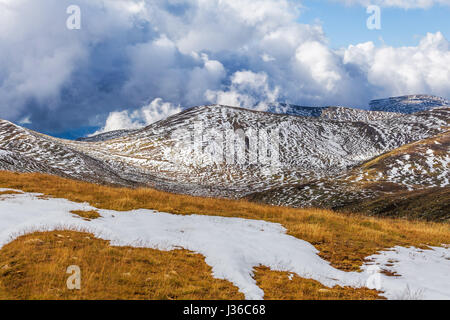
(408, 104)
(377, 109)
(162, 156)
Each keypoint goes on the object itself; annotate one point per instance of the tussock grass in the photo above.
(34, 267)
(87, 215)
(285, 286)
(9, 192)
(342, 239)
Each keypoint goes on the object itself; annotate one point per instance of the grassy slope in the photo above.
(368, 190)
(344, 240)
(426, 204)
(34, 267)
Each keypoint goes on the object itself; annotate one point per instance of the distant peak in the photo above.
(408, 103)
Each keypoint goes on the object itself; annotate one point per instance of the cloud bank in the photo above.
(181, 53)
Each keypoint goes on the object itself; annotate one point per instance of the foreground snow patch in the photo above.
(418, 274)
(231, 246)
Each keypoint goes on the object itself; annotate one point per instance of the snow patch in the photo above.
(233, 247)
(422, 274)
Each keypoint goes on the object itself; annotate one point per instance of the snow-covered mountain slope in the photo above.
(380, 108)
(106, 136)
(23, 150)
(425, 163)
(408, 104)
(308, 148)
(412, 180)
(349, 114)
(223, 151)
(331, 113)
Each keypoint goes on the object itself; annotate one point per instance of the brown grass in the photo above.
(284, 286)
(8, 192)
(342, 239)
(34, 267)
(87, 215)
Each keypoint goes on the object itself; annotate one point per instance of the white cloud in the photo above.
(321, 63)
(247, 90)
(146, 115)
(39, 55)
(160, 69)
(155, 111)
(190, 52)
(218, 25)
(267, 58)
(25, 120)
(405, 70)
(119, 120)
(35, 63)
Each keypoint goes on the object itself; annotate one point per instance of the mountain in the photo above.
(232, 152)
(331, 113)
(400, 105)
(308, 147)
(294, 110)
(411, 181)
(408, 104)
(24, 150)
(106, 136)
(349, 114)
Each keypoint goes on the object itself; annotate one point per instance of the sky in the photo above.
(400, 26)
(133, 62)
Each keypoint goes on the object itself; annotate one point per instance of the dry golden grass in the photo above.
(284, 286)
(87, 215)
(9, 192)
(342, 239)
(34, 267)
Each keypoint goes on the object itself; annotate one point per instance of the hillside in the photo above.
(408, 104)
(410, 181)
(314, 249)
(192, 153)
(338, 113)
(24, 150)
(352, 115)
(106, 136)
